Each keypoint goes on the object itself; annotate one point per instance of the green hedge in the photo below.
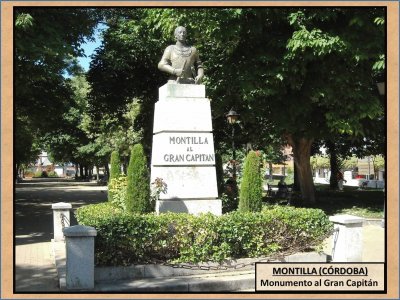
(251, 191)
(138, 181)
(117, 187)
(115, 172)
(115, 162)
(125, 238)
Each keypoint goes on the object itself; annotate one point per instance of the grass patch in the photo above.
(368, 203)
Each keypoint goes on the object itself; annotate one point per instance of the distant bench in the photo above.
(285, 193)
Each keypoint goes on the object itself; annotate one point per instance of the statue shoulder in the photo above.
(195, 53)
(169, 49)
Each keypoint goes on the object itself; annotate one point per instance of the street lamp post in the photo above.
(232, 116)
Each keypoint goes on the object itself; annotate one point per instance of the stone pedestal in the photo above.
(61, 219)
(183, 150)
(80, 257)
(347, 239)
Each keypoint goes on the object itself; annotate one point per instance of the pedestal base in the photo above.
(183, 151)
(194, 206)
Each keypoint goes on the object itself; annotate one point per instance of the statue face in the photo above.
(180, 34)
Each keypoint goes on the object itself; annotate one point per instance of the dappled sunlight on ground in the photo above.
(373, 244)
(33, 228)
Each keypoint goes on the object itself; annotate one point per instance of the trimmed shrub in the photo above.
(41, 174)
(52, 174)
(124, 238)
(138, 190)
(115, 162)
(37, 174)
(115, 171)
(250, 196)
(118, 187)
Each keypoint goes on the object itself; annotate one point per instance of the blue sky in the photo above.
(89, 48)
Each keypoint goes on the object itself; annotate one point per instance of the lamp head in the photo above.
(232, 116)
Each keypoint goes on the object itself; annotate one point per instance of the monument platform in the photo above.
(183, 150)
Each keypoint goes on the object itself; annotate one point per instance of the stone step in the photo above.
(213, 282)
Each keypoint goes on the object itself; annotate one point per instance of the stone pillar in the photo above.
(347, 238)
(80, 257)
(61, 219)
(183, 150)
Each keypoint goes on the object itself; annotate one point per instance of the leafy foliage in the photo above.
(273, 154)
(319, 162)
(350, 163)
(378, 162)
(111, 133)
(230, 200)
(158, 186)
(71, 143)
(138, 191)
(124, 238)
(115, 162)
(301, 74)
(118, 189)
(250, 197)
(296, 74)
(115, 172)
(40, 174)
(26, 143)
(220, 174)
(46, 42)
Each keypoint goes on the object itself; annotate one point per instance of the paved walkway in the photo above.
(34, 268)
(34, 265)
(373, 243)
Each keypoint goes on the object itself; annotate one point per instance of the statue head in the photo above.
(180, 34)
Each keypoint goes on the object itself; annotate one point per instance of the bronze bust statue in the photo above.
(182, 61)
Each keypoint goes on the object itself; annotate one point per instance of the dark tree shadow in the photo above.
(30, 279)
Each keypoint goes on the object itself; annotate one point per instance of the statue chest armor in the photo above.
(182, 58)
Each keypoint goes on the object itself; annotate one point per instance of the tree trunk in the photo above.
(107, 170)
(16, 172)
(81, 175)
(296, 185)
(97, 173)
(333, 180)
(302, 152)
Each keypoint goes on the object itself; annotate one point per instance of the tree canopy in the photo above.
(303, 74)
(46, 42)
(295, 74)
